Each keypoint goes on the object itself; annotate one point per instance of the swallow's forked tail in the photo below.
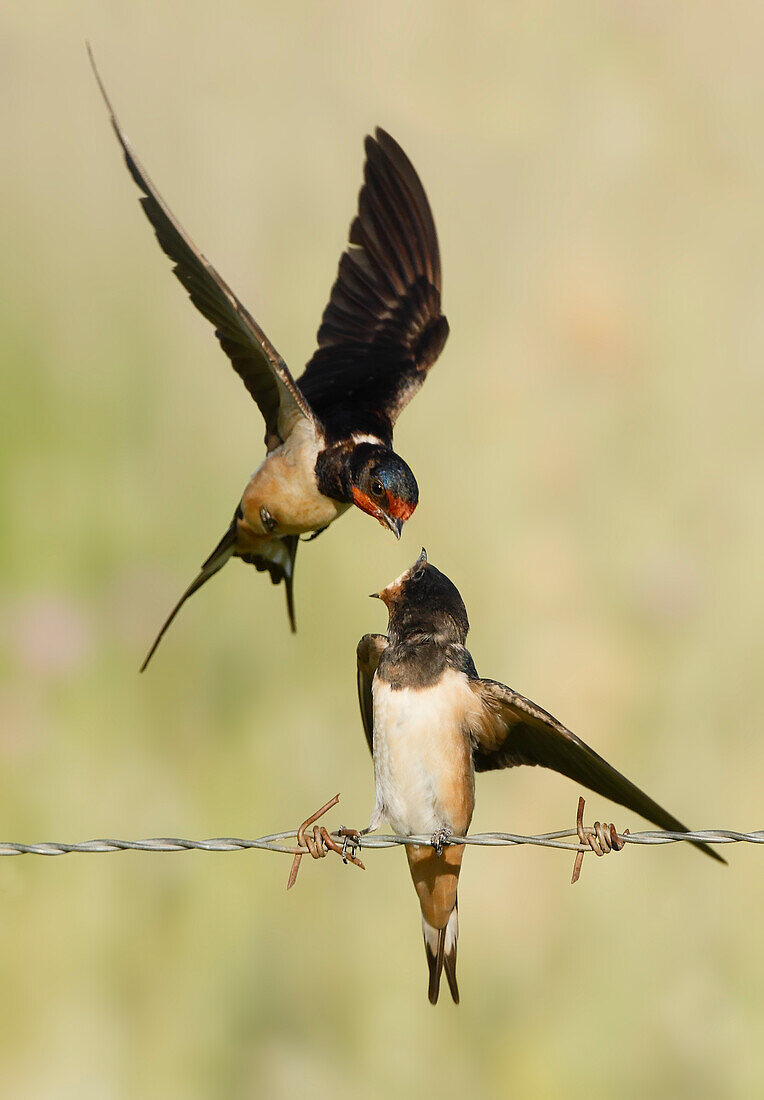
(217, 559)
(440, 947)
(276, 557)
(436, 878)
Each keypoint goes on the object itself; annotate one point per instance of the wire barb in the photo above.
(601, 839)
(322, 842)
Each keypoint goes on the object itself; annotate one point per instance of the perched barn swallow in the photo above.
(431, 723)
(329, 434)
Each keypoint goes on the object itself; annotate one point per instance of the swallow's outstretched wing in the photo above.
(370, 649)
(255, 360)
(511, 730)
(383, 328)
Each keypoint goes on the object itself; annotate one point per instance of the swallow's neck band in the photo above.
(333, 472)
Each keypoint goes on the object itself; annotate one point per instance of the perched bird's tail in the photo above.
(217, 559)
(436, 878)
(440, 947)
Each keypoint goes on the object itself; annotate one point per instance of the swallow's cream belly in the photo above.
(285, 486)
(422, 756)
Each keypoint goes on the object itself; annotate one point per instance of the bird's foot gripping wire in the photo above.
(440, 839)
(320, 842)
(601, 839)
(350, 844)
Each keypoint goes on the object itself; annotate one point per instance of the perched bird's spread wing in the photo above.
(511, 730)
(382, 329)
(255, 360)
(369, 651)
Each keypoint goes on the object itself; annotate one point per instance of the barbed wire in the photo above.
(599, 839)
(272, 842)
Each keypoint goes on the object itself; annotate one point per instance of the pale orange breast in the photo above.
(285, 485)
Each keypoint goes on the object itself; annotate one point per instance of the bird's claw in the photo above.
(350, 842)
(267, 519)
(441, 838)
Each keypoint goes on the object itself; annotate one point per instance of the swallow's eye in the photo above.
(418, 575)
(377, 488)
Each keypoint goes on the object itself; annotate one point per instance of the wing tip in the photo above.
(388, 145)
(709, 851)
(99, 82)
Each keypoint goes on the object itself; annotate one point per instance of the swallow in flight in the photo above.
(329, 434)
(431, 723)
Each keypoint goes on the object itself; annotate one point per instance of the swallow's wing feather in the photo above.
(370, 649)
(255, 360)
(383, 328)
(511, 730)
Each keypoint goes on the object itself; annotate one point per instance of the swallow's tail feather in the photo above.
(434, 946)
(440, 948)
(277, 557)
(217, 559)
(436, 878)
(449, 953)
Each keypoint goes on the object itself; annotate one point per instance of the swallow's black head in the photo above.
(423, 601)
(382, 485)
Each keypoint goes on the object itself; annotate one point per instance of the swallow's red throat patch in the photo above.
(366, 504)
(399, 509)
(394, 506)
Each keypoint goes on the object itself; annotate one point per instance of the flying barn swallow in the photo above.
(431, 723)
(329, 434)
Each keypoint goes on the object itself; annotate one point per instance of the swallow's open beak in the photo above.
(395, 525)
(374, 596)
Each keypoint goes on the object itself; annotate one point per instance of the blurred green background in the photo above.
(589, 454)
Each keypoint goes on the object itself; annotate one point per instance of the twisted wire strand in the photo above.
(276, 842)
